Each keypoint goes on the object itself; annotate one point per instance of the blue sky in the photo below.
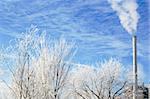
(92, 24)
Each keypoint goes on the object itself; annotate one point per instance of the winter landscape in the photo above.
(74, 49)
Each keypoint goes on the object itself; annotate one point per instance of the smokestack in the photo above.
(128, 15)
(135, 82)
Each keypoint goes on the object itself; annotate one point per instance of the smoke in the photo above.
(126, 11)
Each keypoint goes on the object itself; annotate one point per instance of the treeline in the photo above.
(41, 68)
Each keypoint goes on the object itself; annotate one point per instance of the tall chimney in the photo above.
(135, 82)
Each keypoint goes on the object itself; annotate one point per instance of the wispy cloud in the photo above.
(9, 33)
(93, 25)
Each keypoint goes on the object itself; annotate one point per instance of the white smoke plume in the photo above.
(126, 11)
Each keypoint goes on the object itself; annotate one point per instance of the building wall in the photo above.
(142, 91)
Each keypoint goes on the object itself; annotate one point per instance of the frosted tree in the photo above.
(105, 81)
(24, 51)
(39, 69)
(52, 69)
